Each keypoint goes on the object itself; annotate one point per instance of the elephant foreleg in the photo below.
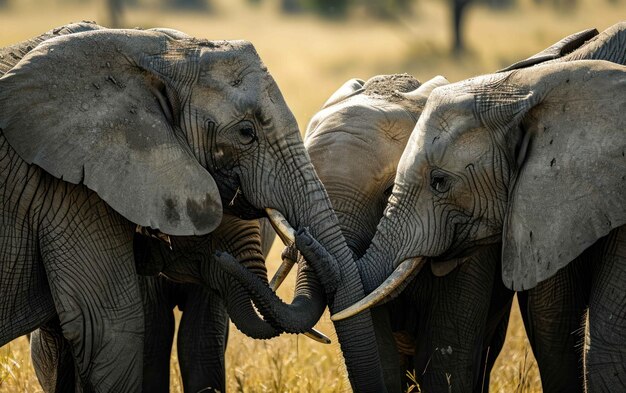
(52, 359)
(87, 253)
(496, 328)
(158, 304)
(202, 337)
(553, 314)
(605, 358)
(455, 325)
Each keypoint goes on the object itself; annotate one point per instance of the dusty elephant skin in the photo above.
(355, 143)
(203, 328)
(164, 132)
(534, 157)
(552, 310)
(205, 294)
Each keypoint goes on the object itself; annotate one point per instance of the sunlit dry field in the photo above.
(309, 58)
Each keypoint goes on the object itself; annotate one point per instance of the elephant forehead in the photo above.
(363, 117)
(232, 63)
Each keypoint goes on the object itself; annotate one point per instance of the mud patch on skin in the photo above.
(171, 211)
(202, 213)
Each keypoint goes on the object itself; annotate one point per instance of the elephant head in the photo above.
(172, 132)
(355, 142)
(532, 157)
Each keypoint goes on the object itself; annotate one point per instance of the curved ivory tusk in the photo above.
(318, 336)
(402, 272)
(286, 233)
(281, 274)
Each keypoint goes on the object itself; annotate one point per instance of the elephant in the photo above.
(374, 119)
(200, 354)
(578, 45)
(163, 132)
(533, 158)
(205, 294)
(552, 311)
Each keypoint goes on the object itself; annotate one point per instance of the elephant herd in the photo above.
(147, 169)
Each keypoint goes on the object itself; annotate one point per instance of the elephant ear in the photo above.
(571, 186)
(421, 94)
(558, 50)
(346, 90)
(93, 108)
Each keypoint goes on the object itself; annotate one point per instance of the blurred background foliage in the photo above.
(312, 47)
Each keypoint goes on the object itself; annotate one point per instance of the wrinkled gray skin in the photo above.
(166, 133)
(355, 143)
(203, 329)
(205, 294)
(532, 157)
(553, 310)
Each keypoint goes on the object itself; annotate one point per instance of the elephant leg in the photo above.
(158, 305)
(495, 331)
(455, 328)
(202, 337)
(553, 314)
(606, 355)
(87, 253)
(388, 353)
(52, 359)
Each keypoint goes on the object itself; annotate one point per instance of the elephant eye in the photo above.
(439, 182)
(247, 133)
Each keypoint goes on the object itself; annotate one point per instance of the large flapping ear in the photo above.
(90, 108)
(608, 45)
(11, 55)
(558, 50)
(571, 187)
(346, 90)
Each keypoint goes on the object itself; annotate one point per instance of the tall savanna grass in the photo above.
(310, 58)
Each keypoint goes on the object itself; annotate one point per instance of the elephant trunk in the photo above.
(237, 300)
(306, 205)
(243, 314)
(243, 238)
(312, 210)
(386, 267)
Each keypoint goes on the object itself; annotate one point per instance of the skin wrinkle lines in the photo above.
(294, 174)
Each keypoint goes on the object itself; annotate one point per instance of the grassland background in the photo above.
(310, 57)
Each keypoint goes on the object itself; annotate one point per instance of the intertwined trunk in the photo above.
(305, 204)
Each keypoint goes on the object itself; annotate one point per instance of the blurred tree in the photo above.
(3, 3)
(499, 3)
(114, 8)
(329, 8)
(387, 9)
(204, 5)
(458, 11)
(290, 6)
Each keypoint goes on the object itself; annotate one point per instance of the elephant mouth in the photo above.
(234, 200)
(467, 249)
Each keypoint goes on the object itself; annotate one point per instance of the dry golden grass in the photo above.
(310, 58)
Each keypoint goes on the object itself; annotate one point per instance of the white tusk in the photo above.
(402, 272)
(286, 233)
(318, 336)
(281, 274)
